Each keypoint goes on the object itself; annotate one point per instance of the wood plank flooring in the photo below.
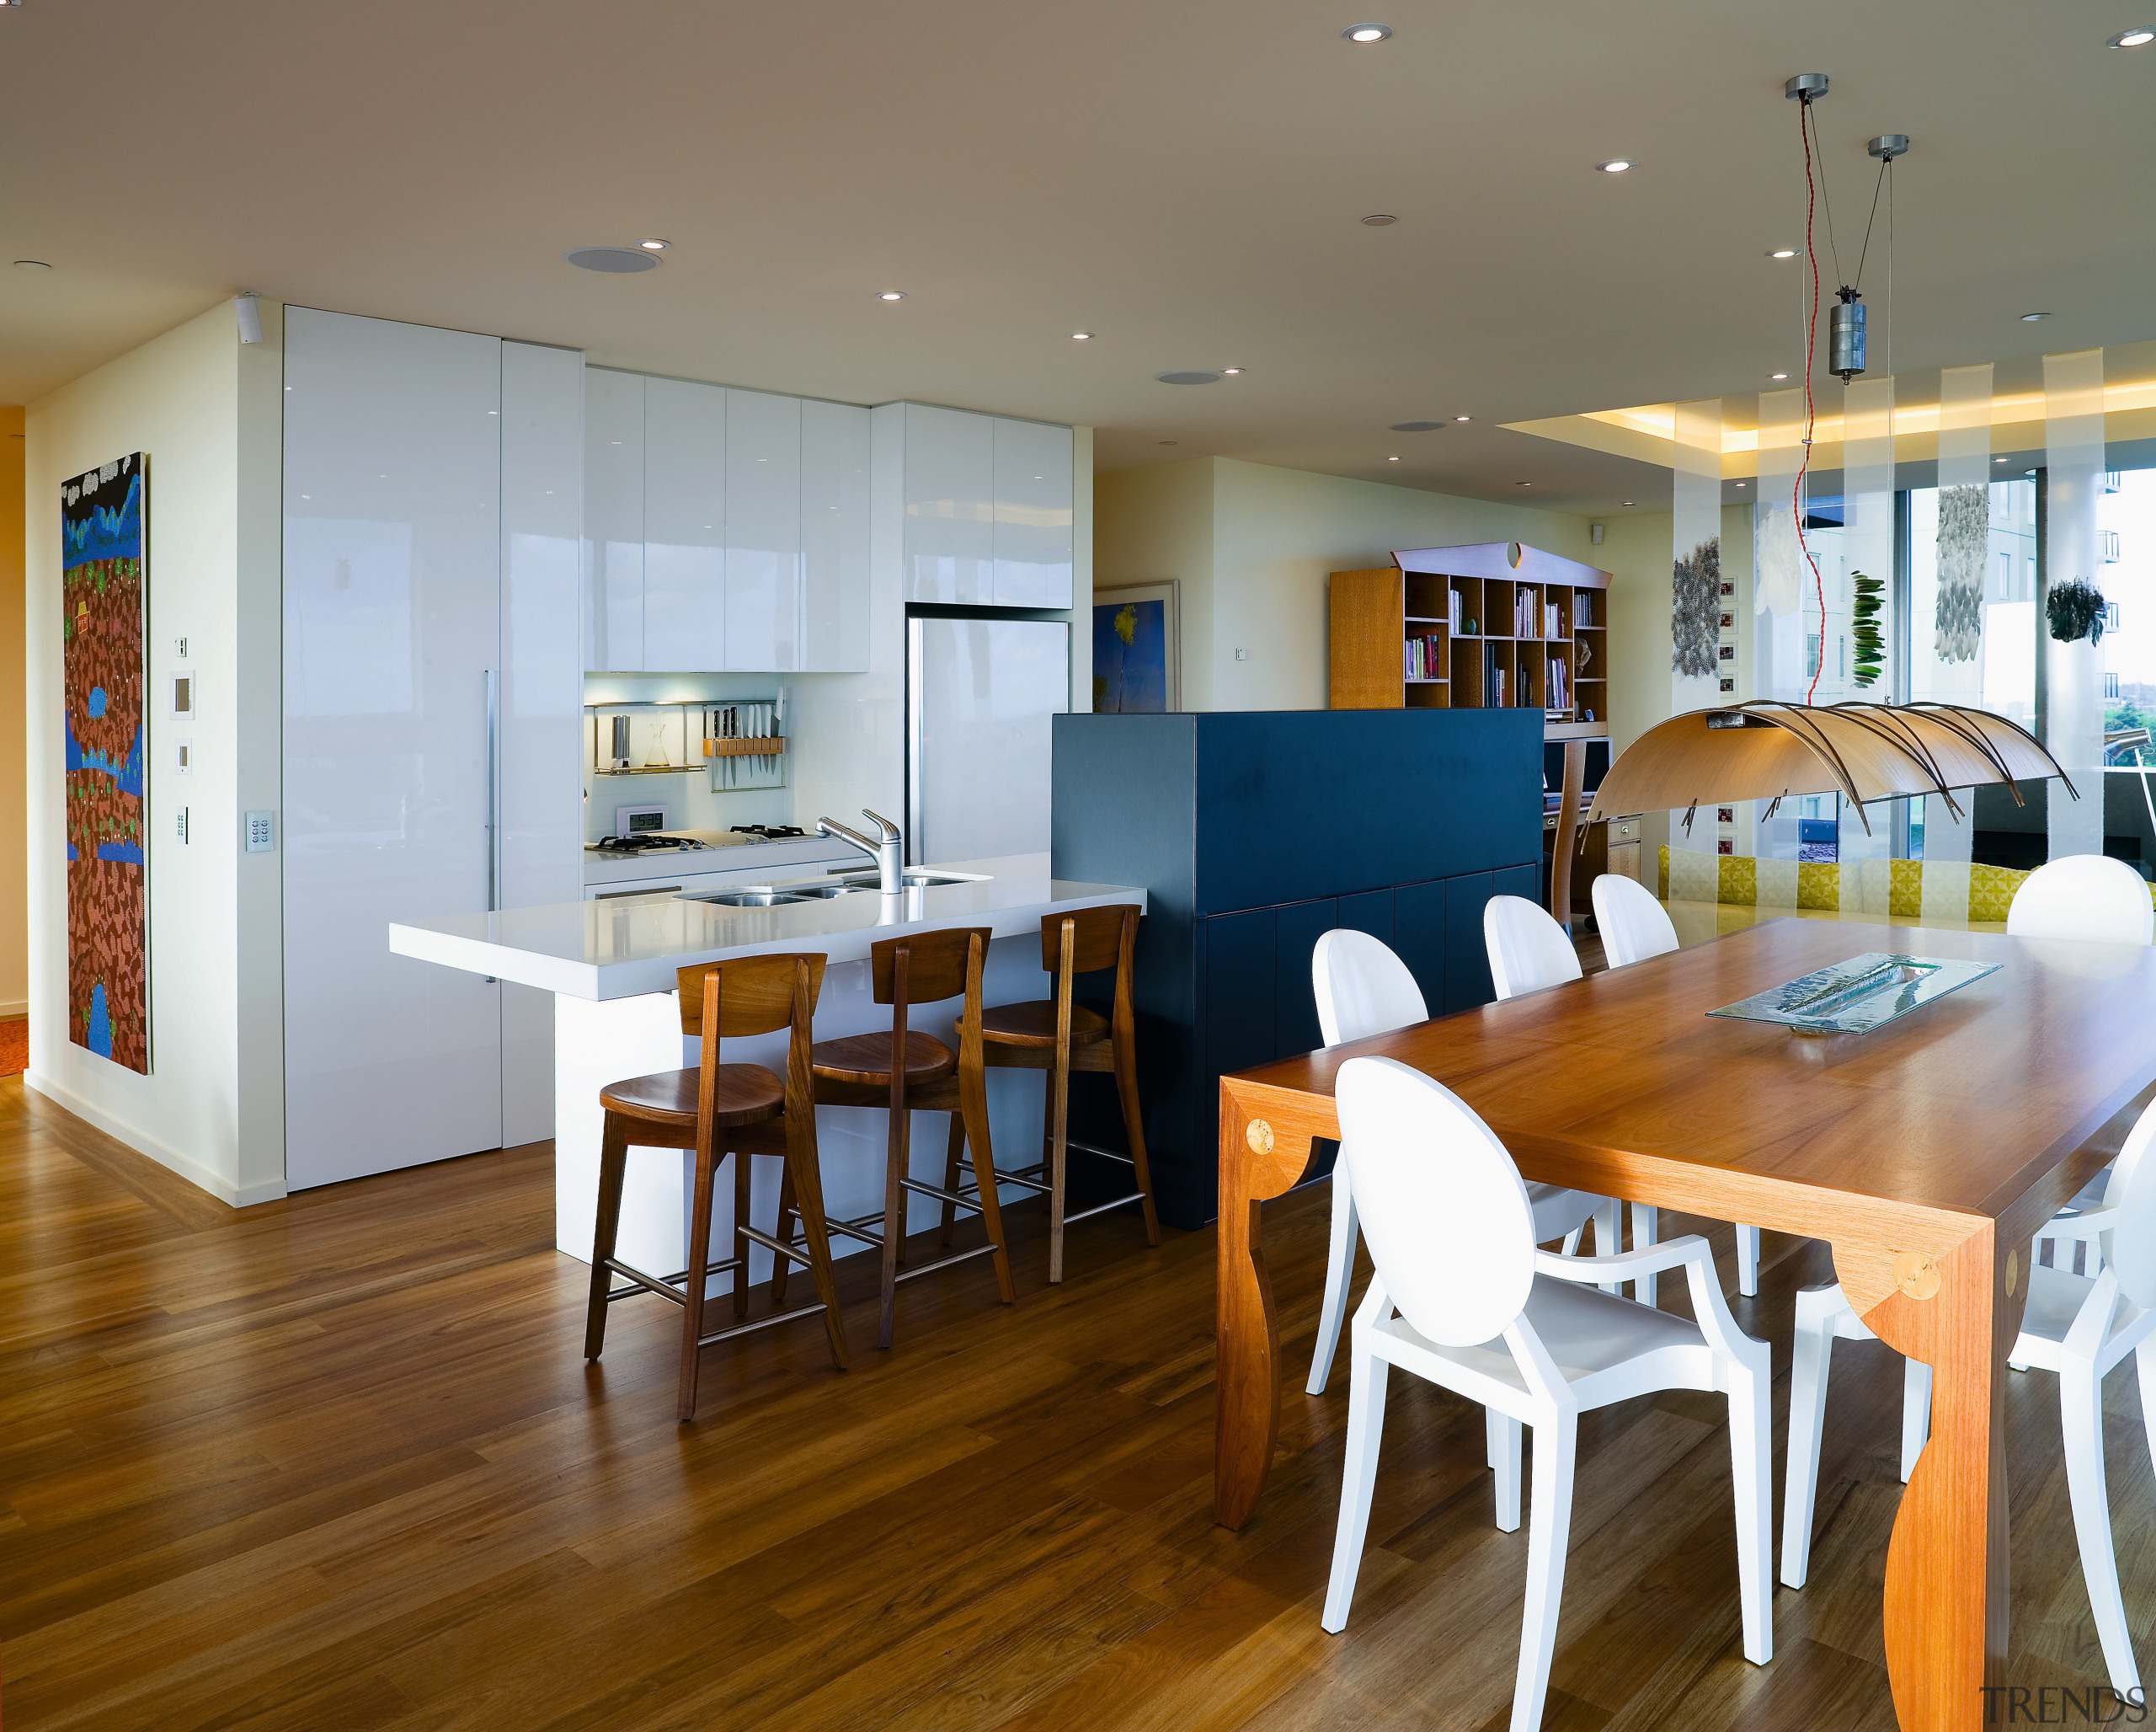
(338, 1464)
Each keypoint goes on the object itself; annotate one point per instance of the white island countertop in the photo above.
(632, 945)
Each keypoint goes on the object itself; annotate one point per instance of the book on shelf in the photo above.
(1551, 626)
(1455, 609)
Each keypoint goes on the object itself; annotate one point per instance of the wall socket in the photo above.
(261, 834)
(1242, 655)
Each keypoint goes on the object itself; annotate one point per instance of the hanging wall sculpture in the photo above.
(1964, 545)
(104, 589)
(1870, 648)
(2075, 610)
(1695, 609)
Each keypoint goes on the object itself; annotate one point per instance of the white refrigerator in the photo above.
(980, 689)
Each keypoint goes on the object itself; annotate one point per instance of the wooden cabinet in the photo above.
(727, 530)
(1494, 625)
(987, 505)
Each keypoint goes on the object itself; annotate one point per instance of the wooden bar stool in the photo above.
(925, 1076)
(718, 1110)
(1056, 1035)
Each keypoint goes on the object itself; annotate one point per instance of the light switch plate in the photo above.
(184, 697)
(183, 757)
(260, 833)
(182, 824)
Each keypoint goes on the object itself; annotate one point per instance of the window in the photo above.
(2107, 544)
(2110, 687)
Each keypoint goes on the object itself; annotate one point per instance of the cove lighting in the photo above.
(1617, 165)
(1366, 33)
(892, 295)
(2138, 37)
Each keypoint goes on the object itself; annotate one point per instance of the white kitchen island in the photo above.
(611, 967)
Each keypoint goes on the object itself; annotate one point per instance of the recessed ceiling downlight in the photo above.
(2030, 318)
(1189, 378)
(32, 264)
(1378, 220)
(1783, 253)
(1617, 165)
(892, 295)
(1416, 427)
(615, 261)
(1366, 33)
(655, 244)
(2140, 36)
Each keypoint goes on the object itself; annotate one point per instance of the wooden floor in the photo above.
(339, 1463)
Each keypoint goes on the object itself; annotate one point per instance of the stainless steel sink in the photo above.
(745, 899)
(825, 892)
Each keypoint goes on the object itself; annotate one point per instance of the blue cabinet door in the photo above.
(1418, 935)
(1467, 961)
(1297, 928)
(1523, 881)
(1370, 912)
(1240, 986)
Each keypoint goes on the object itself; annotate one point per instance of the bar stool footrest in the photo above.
(762, 1322)
(1094, 1148)
(967, 1199)
(1103, 1208)
(664, 1288)
(907, 1275)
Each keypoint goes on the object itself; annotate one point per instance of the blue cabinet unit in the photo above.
(1254, 833)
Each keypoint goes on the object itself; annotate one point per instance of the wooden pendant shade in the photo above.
(1766, 750)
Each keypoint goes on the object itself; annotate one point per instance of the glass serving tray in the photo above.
(1854, 997)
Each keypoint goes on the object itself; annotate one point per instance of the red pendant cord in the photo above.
(1811, 343)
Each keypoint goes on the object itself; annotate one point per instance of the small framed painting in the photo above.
(1135, 651)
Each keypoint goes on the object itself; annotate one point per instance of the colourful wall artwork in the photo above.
(1132, 654)
(103, 586)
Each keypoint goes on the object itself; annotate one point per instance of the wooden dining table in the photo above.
(1926, 1152)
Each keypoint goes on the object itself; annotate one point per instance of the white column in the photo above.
(2073, 707)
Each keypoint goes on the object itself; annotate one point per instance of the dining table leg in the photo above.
(1957, 1309)
(1265, 1149)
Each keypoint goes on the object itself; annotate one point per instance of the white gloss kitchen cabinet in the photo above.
(433, 708)
(988, 504)
(725, 530)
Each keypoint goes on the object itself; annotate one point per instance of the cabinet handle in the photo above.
(493, 816)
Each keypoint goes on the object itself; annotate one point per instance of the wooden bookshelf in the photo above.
(1530, 630)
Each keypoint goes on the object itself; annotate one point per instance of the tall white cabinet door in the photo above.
(763, 532)
(685, 439)
(392, 469)
(834, 538)
(950, 506)
(613, 521)
(539, 733)
(1033, 515)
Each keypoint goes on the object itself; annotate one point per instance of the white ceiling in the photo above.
(1184, 179)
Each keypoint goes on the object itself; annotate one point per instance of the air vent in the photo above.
(1416, 427)
(618, 261)
(1188, 378)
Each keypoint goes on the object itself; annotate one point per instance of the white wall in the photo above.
(1152, 525)
(1637, 551)
(204, 408)
(1255, 548)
